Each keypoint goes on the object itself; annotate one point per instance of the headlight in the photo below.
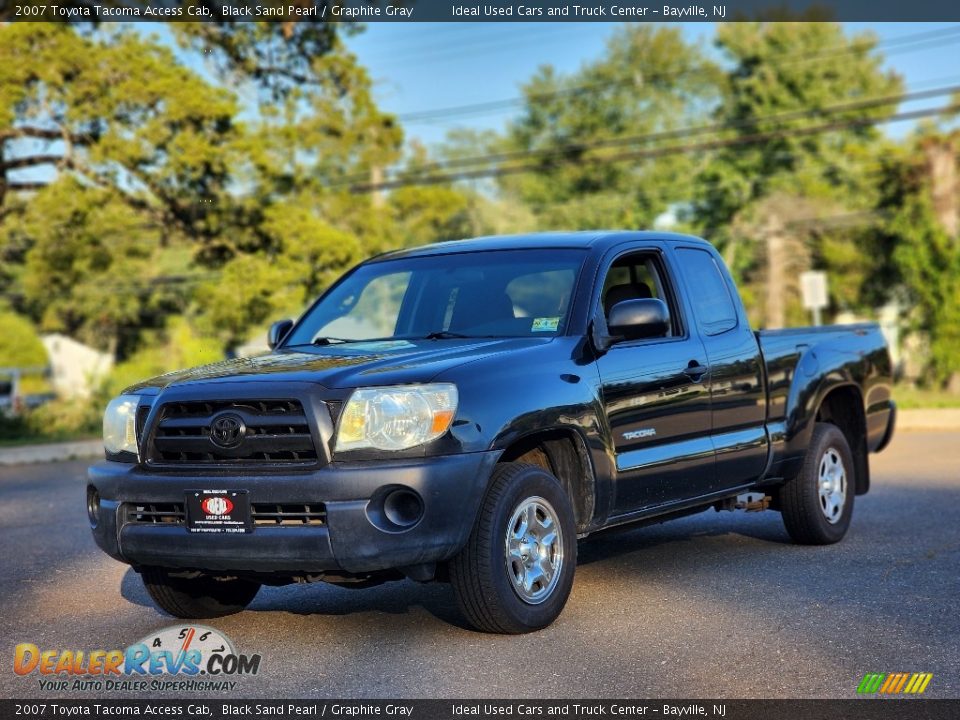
(396, 418)
(120, 425)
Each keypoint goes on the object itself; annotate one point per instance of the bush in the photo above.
(21, 347)
(55, 420)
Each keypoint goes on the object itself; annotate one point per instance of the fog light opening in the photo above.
(403, 508)
(93, 506)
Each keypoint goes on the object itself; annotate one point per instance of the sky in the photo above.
(425, 66)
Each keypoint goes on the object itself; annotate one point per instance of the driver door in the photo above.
(656, 395)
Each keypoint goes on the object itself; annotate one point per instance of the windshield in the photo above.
(502, 293)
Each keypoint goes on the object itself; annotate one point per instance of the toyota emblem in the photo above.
(227, 431)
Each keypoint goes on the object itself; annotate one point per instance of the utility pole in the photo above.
(377, 198)
(941, 155)
(776, 273)
(944, 188)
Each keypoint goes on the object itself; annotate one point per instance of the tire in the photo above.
(503, 555)
(198, 597)
(813, 517)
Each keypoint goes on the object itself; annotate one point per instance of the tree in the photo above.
(307, 254)
(89, 266)
(119, 112)
(785, 76)
(277, 57)
(919, 201)
(648, 81)
(120, 166)
(929, 262)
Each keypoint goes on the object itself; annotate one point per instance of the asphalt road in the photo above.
(713, 605)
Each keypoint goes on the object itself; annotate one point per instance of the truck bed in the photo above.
(804, 364)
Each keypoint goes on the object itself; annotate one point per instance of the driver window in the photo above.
(633, 277)
(374, 313)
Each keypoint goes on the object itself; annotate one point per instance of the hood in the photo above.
(347, 365)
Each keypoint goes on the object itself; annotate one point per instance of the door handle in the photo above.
(695, 371)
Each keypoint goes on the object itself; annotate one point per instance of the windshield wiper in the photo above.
(332, 341)
(444, 335)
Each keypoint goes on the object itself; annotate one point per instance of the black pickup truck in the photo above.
(468, 410)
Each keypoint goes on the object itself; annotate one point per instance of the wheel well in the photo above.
(564, 454)
(843, 407)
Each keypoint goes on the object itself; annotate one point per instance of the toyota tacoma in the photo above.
(469, 410)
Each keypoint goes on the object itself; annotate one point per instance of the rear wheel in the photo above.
(516, 571)
(817, 504)
(195, 595)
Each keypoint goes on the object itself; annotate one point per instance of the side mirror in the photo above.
(635, 319)
(277, 332)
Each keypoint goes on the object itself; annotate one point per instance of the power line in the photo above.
(660, 152)
(427, 53)
(937, 37)
(682, 132)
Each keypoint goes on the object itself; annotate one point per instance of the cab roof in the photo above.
(588, 239)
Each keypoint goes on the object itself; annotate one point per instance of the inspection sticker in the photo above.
(547, 324)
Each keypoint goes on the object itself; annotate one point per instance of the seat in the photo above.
(626, 291)
(477, 306)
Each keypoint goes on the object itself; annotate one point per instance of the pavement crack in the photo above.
(928, 554)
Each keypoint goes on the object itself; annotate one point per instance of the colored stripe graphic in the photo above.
(890, 682)
(894, 683)
(871, 682)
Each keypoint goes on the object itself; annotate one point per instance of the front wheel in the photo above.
(817, 504)
(195, 595)
(516, 571)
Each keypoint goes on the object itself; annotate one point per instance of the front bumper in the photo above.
(353, 539)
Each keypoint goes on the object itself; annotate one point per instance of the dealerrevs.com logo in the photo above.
(177, 658)
(894, 683)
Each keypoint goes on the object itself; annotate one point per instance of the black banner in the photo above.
(854, 709)
(479, 10)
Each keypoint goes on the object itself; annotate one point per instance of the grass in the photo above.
(40, 439)
(913, 398)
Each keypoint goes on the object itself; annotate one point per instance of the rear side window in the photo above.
(708, 290)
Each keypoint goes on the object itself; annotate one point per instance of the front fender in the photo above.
(554, 388)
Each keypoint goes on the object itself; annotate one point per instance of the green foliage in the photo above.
(929, 261)
(58, 420)
(784, 76)
(131, 118)
(89, 265)
(430, 214)
(169, 193)
(779, 70)
(276, 56)
(179, 345)
(648, 80)
(66, 419)
(19, 344)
